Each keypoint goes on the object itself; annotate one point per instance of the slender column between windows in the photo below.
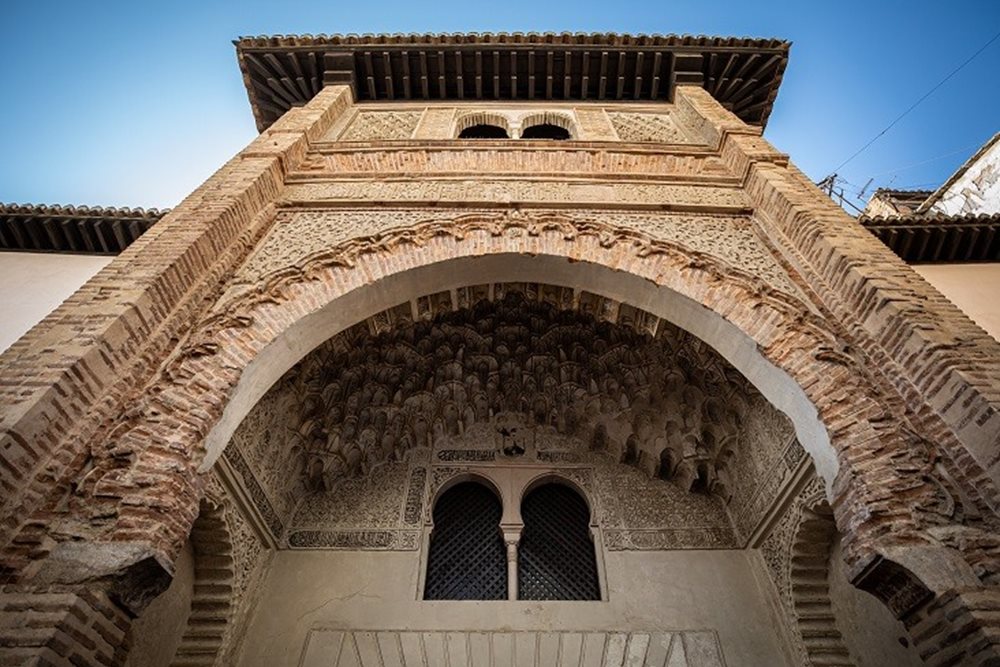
(511, 539)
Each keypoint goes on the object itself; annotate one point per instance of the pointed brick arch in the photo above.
(771, 337)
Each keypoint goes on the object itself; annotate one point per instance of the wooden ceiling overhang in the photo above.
(72, 229)
(285, 71)
(924, 239)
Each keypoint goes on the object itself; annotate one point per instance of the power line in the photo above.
(929, 160)
(917, 103)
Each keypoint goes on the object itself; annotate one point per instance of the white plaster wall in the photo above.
(977, 190)
(648, 591)
(974, 288)
(33, 284)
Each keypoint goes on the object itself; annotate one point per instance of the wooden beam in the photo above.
(370, 78)
(300, 78)
(425, 88)
(638, 76)
(284, 78)
(513, 73)
(620, 88)
(442, 83)
(496, 75)
(655, 86)
(549, 68)
(53, 233)
(603, 84)
(479, 75)
(387, 60)
(531, 75)
(313, 71)
(72, 234)
(567, 74)
(406, 74)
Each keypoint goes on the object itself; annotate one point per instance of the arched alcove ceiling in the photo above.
(521, 357)
(362, 303)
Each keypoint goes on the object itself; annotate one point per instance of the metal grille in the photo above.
(467, 559)
(556, 556)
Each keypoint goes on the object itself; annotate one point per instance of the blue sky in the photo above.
(135, 104)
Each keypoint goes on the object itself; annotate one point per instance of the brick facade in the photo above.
(116, 403)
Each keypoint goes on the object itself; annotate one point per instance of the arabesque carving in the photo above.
(648, 127)
(298, 236)
(486, 192)
(381, 125)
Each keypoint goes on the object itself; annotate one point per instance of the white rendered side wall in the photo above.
(974, 288)
(33, 284)
(975, 191)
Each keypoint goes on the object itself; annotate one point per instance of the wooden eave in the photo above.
(285, 71)
(925, 239)
(72, 229)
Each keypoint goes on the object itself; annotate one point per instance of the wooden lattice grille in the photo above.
(467, 558)
(556, 555)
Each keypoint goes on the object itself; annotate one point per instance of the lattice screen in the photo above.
(556, 558)
(467, 558)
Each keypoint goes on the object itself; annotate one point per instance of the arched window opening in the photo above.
(483, 131)
(556, 559)
(545, 131)
(467, 559)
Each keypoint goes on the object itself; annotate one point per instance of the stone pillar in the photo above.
(512, 537)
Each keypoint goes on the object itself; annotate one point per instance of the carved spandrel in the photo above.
(298, 235)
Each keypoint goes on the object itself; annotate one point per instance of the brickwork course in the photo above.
(115, 407)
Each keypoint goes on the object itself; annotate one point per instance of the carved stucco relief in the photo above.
(648, 127)
(336, 162)
(767, 458)
(250, 558)
(336, 455)
(776, 550)
(436, 123)
(506, 191)
(382, 125)
(298, 235)
(594, 125)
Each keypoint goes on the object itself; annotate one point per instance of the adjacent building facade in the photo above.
(503, 350)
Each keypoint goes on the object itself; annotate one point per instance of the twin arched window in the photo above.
(483, 131)
(467, 559)
(489, 128)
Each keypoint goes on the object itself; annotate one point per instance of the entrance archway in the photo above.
(768, 334)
